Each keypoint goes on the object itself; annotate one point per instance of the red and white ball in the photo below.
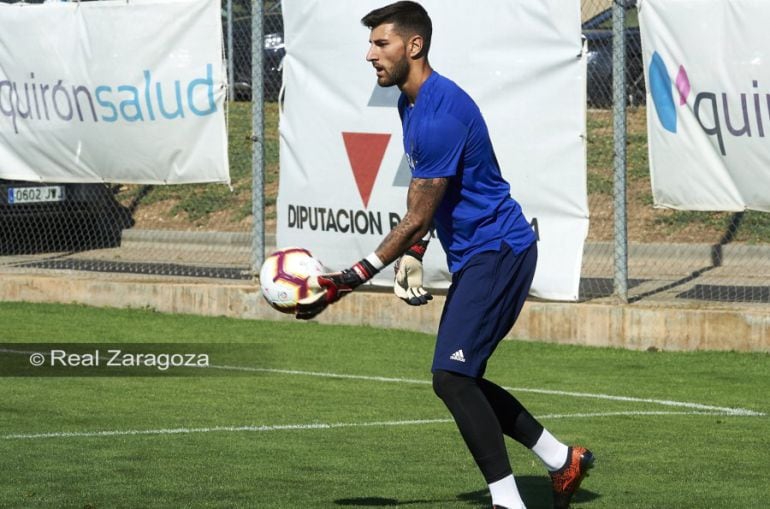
(284, 277)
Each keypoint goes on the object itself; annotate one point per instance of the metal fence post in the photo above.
(230, 50)
(619, 131)
(258, 137)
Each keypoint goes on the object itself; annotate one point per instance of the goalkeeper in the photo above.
(491, 252)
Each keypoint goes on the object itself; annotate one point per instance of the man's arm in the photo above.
(422, 200)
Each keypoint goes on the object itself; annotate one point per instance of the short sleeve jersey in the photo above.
(446, 136)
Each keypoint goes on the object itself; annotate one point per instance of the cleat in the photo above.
(567, 479)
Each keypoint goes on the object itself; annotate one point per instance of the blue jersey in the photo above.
(446, 136)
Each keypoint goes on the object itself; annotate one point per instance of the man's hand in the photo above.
(329, 288)
(408, 282)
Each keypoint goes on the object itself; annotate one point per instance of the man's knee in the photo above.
(448, 385)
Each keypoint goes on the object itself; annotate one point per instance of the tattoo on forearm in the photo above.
(423, 199)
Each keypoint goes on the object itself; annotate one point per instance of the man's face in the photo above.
(387, 53)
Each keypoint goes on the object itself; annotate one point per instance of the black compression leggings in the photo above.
(484, 412)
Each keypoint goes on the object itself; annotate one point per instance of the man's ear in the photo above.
(415, 46)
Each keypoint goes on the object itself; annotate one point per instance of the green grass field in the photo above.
(345, 417)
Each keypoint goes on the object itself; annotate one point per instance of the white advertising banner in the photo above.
(708, 91)
(344, 174)
(113, 91)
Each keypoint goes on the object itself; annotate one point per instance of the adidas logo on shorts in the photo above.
(458, 356)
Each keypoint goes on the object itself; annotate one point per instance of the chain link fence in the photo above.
(675, 255)
(207, 230)
(181, 230)
(42, 218)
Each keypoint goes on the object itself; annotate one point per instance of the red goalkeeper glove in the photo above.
(329, 288)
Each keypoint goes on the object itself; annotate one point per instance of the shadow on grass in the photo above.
(536, 492)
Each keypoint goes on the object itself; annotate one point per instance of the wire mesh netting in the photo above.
(201, 230)
(708, 256)
(206, 230)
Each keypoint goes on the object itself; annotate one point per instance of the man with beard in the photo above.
(491, 252)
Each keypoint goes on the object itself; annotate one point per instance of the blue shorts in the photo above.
(484, 300)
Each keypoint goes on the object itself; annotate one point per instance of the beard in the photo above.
(396, 76)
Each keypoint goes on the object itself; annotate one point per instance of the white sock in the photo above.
(505, 493)
(550, 451)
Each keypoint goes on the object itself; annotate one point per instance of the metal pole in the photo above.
(230, 50)
(258, 137)
(619, 128)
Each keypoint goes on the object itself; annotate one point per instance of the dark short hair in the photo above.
(409, 18)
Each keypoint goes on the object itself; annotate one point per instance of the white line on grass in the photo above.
(698, 409)
(628, 399)
(311, 426)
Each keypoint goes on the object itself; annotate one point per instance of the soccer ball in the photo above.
(284, 277)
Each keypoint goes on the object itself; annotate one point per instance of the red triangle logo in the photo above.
(365, 152)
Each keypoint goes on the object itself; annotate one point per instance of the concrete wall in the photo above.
(659, 325)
